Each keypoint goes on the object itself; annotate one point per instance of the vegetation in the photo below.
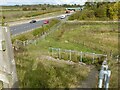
(98, 11)
(37, 72)
(37, 32)
(98, 38)
(37, 69)
(13, 13)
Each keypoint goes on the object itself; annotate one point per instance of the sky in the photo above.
(20, 2)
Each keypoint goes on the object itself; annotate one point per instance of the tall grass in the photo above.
(36, 72)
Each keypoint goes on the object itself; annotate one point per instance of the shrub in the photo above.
(22, 37)
(37, 32)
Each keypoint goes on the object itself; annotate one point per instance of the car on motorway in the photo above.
(62, 16)
(33, 21)
(46, 21)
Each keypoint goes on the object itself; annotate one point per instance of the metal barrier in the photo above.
(104, 76)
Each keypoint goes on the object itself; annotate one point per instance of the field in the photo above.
(34, 60)
(18, 13)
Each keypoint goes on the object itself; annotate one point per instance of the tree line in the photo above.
(98, 11)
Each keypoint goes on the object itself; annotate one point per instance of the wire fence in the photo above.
(18, 43)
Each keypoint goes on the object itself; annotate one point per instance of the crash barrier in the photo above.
(104, 76)
(8, 75)
(75, 55)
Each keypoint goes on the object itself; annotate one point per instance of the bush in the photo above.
(22, 37)
(43, 8)
(34, 9)
(37, 32)
(83, 15)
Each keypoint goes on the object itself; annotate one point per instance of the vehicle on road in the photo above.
(33, 21)
(46, 21)
(67, 11)
(63, 16)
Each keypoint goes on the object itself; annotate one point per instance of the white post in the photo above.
(23, 43)
(117, 58)
(106, 57)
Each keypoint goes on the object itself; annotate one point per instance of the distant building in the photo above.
(74, 9)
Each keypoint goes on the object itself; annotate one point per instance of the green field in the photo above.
(36, 70)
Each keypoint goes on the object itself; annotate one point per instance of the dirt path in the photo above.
(91, 80)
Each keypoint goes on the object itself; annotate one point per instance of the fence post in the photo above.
(70, 54)
(23, 43)
(52, 51)
(59, 56)
(26, 42)
(81, 56)
(117, 58)
(93, 57)
(34, 42)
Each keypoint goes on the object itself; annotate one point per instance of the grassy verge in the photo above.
(37, 32)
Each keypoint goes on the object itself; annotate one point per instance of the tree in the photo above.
(101, 11)
(43, 8)
(3, 20)
(113, 10)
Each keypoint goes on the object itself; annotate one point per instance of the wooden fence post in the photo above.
(59, 55)
(70, 54)
(93, 57)
(81, 56)
(52, 51)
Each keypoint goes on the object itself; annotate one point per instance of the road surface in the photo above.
(21, 28)
(17, 29)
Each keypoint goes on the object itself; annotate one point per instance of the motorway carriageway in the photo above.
(21, 28)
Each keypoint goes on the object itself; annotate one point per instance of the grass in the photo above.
(86, 38)
(114, 79)
(37, 32)
(99, 38)
(47, 74)
(0, 85)
(13, 15)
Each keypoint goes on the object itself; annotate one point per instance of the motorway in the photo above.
(21, 28)
(17, 29)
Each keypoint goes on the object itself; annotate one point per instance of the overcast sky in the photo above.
(19, 2)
